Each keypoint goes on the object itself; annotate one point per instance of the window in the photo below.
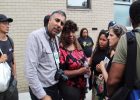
(121, 12)
(78, 4)
(123, 0)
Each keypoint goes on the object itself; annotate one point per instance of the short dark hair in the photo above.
(46, 20)
(59, 12)
(134, 12)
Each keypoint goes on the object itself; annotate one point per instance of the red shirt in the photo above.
(73, 60)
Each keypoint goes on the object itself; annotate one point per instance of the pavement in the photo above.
(26, 96)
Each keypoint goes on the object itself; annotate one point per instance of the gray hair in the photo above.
(59, 12)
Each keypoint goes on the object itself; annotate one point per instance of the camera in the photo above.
(60, 75)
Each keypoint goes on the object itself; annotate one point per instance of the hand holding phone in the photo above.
(106, 61)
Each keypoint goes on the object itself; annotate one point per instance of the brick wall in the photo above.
(28, 16)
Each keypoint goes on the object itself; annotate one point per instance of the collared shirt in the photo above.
(40, 66)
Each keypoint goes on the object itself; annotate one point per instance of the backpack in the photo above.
(131, 61)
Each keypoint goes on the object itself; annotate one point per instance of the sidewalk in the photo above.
(26, 96)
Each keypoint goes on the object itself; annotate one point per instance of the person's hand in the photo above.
(102, 65)
(84, 70)
(98, 68)
(47, 97)
(3, 58)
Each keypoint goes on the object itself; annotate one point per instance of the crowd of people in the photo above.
(65, 67)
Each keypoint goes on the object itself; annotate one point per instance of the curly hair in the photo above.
(69, 26)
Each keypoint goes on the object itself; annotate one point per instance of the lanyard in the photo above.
(55, 54)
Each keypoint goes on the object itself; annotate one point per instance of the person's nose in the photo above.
(59, 24)
(71, 34)
(8, 25)
(108, 37)
(101, 42)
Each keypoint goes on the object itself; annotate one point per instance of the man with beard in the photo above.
(42, 59)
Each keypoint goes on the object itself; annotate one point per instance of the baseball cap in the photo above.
(111, 23)
(4, 18)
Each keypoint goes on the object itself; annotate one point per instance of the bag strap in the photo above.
(12, 45)
(130, 71)
(1, 51)
(11, 42)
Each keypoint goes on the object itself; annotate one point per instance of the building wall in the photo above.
(28, 16)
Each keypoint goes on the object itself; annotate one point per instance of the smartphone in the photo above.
(106, 61)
